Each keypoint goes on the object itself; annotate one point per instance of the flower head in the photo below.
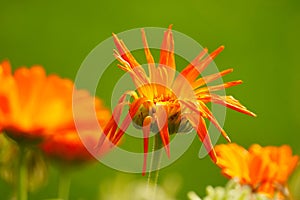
(32, 104)
(264, 169)
(165, 103)
(37, 107)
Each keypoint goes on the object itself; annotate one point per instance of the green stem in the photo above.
(64, 185)
(23, 175)
(155, 164)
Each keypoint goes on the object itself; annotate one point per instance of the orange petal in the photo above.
(229, 102)
(146, 131)
(111, 127)
(199, 125)
(167, 61)
(233, 160)
(149, 57)
(217, 87)
(205, 112)
(106, 133)
(167, 49)
(192, 71)
(30, 83)
(162, 123)
(5, 68)
(126, 122)
(213, 120)
(132, 111)
(125, 53)
(207, 79)
(189, 69)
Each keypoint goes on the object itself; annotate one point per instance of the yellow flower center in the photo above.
(162, 96)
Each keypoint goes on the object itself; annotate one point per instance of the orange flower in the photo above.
(166, 103)
(33, 105)
(37, 107)
(265, 169)
(67, 146)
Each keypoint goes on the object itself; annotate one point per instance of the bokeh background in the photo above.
(262, 45)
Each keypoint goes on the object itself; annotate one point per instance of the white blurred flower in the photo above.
(232, 191)
(193, 196)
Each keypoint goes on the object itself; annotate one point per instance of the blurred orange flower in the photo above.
(37, 107)
(164, 103)
(265, 169)
(33, 105)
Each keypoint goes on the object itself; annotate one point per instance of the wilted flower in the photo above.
(166, 103)
(264, 169)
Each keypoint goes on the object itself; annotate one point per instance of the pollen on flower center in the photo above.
(164, 99)
(158, 93)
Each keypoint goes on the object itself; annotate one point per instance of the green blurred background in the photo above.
(262, 45)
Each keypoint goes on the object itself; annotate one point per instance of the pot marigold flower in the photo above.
(32, 104)
(265, 169)
(165, 103)
(37, 107)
